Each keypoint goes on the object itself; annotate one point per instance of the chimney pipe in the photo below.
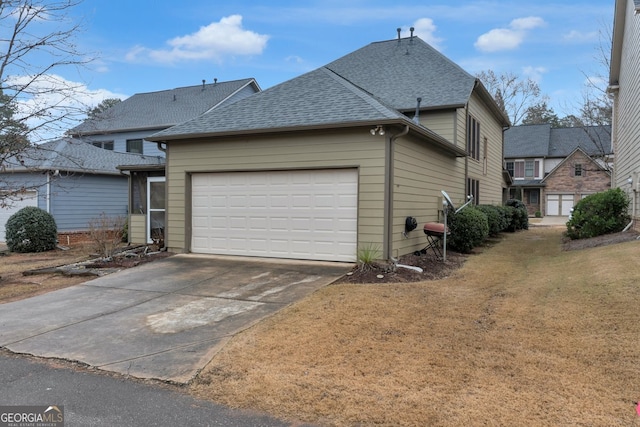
(203, 82)
(399, 30)
(411, 29)
(416, 117)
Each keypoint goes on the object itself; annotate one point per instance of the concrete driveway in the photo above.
(161, 320)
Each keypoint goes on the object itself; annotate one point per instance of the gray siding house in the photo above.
(125, 127)
(335, 160)
(552, 169)
(624, 84)
(74, 181)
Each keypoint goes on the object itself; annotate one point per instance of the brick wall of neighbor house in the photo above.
(562, 180)
(74, 238)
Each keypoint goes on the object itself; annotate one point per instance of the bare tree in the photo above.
(37, 43)
(513, 94)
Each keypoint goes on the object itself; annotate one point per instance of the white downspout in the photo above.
(48, 192)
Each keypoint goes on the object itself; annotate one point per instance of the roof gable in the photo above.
(569, 158)
(400, 71)
(162, 109)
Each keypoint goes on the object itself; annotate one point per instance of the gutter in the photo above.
(387, 238)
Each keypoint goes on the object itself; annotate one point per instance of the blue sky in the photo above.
(144, 46)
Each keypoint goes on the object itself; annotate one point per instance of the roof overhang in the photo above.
(417, 129)
(142, 168)
(619, 19)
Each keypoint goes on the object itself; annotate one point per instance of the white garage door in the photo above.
(310, 214)
(28, 199)
(559, 204)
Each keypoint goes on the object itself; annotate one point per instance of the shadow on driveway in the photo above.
(161, 320)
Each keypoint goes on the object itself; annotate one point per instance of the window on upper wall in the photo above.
(134, 146)
(106, 145)
(473, 137)
(524, 169)
(529, 170)
(510, 166)
(577, 170)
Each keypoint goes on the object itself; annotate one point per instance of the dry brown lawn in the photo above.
(524, 334)
(14, 285)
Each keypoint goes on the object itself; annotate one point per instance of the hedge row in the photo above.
(471, 226)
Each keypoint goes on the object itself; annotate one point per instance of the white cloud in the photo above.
(508, 38)
(51, 104)
(580, 37)
(211, 42)
(425, 29)
(534, 73)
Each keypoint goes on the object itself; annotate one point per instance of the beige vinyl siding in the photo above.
(440, 122)
(420, 174)
(349, 148)
(491, 177)
(138, 229)
(627, 155)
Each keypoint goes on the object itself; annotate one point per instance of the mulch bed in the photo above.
(433, 268)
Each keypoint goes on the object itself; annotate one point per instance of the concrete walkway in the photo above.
(549, 221)
(161, 320)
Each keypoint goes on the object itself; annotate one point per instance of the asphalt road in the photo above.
(98, 399)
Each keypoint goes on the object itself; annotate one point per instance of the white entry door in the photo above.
(302, 214)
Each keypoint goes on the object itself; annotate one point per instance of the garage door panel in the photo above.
(30, 198)
(290, 214)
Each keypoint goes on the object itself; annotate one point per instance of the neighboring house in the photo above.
(125, 127)
(74, 181)
(624, 84)
(552, 169)
(335, 160)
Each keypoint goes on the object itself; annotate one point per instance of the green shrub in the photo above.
(598, 214)
(519, 215)
(495, 217)
(31, 230)
(367, 256)
(468, 228)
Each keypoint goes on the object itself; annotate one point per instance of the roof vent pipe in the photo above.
(416, 117)
(411, 39)
(399, 30)
(215, 80)
(203, 82)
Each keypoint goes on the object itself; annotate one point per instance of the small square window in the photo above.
(106, 145)
(134, 146)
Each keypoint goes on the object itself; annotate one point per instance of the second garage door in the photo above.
(559, 204)
(307, 214)
(28, 199)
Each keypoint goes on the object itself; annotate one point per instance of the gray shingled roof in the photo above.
(543, 141)
(77, 156)
(593, 140)
(314, 99)
(161, 109)
(376, 83)
(527, 141)
(399, 71)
